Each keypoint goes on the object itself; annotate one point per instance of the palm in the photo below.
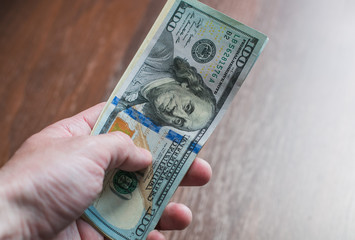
(66, 168)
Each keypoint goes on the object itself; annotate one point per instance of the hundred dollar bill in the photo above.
(169, 101)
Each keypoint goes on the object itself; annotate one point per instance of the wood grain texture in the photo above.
(282, 157)
(60, 57)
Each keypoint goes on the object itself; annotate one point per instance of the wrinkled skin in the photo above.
(58, 172)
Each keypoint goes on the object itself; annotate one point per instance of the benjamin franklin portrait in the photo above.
(173, 92)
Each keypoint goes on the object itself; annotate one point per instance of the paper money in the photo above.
(169, 101)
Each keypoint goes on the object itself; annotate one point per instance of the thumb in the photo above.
(117, 150)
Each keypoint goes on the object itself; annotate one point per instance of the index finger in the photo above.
(78, 125)
(199, 173)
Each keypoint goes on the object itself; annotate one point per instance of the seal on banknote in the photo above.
(125, 182)
(203, 51)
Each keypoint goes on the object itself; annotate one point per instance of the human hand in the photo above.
(58, 172)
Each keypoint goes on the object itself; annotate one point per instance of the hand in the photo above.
(58, 172)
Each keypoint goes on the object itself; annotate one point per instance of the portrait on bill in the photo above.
(172, 91)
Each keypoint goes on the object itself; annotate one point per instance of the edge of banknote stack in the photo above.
(227, 94)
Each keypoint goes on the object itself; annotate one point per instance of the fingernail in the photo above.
(147, 155)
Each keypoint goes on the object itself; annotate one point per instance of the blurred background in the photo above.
(283, 157)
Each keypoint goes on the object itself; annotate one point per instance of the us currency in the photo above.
(169, 100)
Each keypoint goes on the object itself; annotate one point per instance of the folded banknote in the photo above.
(169, 100)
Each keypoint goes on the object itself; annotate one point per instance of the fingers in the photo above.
(176, 216)
(87, 232)
(78, 125)
(199, 173)
(116, 150)
(89, 116)
(155, 235)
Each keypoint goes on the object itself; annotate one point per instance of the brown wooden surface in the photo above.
(283, 156)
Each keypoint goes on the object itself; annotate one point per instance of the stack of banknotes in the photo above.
(169, 100)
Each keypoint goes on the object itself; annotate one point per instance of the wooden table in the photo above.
(283, 157)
